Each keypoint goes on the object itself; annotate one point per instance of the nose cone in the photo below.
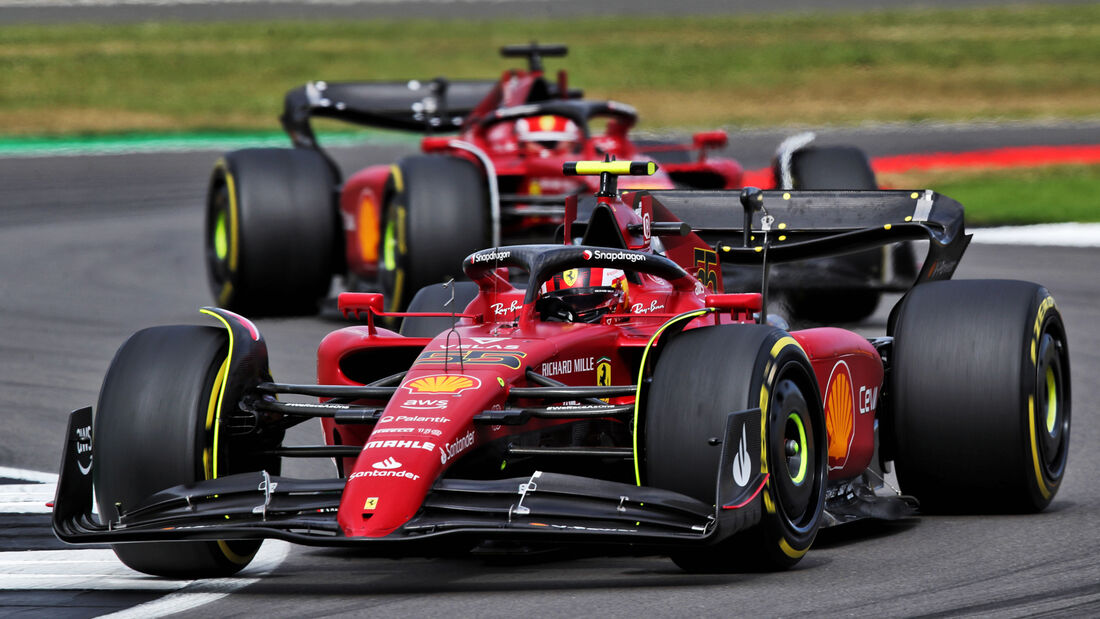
(388, 486)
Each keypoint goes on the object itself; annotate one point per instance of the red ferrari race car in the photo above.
(605, 393)
(280, 222)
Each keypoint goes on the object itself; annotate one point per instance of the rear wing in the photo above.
(788, 226)
(426, 106)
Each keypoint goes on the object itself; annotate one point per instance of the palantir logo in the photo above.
(742, 465)
(387, 464)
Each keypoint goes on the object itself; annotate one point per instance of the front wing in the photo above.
(542, 507)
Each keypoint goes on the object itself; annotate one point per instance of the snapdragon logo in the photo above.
(492, 256)
(618, 255)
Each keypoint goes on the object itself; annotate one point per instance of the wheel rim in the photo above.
(218, 238)
(221, 236)
(1051, 414)
(794, 452)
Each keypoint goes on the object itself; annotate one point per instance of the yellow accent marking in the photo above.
(782, 237)
(398, 182)
(231, 186)
(726, 248)
(1052, 401)
(398, 284)
(211, 410)
(782, 226)
(227, 291)
(790, 551)
(641, 375)
(908, 218)
(914, 195)
(888, 226)
(232, 556)
(1035, 448)
(786, 196)
(758, 249)
(585, 168)
(401, 221)
(535, 189)
(221, 393)
(1045, 305)
(500, 381)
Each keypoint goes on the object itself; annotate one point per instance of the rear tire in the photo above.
(436, 214)
(837, 168)
(153, 430)
(981, 390)
(701, 377)
(271, 231)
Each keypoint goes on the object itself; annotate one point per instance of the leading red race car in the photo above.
(281, 222)
(604, 393)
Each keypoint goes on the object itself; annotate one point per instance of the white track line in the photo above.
(1061, 235)
(98, 569)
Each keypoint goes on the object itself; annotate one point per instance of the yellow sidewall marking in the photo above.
(398, 181)
(769, 370)
(791, 551)
(211, 413)
(232, 556)
(1035, 449)
(641, 376)
(1041, 481)
(231, 187)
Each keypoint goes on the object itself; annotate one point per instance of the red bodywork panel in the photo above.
(849, 374)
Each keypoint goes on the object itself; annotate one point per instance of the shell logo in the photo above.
(838, 415)
(442, 383)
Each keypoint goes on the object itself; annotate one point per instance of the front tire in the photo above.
(981, 390)
(701, 377)
(271, 231)
(436, 214)
(154, 428)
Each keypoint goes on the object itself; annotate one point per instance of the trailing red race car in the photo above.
(281, 222)
(605, 393)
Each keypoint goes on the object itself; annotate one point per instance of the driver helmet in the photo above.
(581, 295)
(547, 134)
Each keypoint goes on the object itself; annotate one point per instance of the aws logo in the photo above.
(839, 418)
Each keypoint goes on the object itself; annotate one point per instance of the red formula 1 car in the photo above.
(601, 393)
(281, 222)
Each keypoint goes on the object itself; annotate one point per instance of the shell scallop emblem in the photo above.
(442, 383)
(838, 415)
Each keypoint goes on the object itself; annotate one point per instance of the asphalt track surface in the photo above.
(94, 248)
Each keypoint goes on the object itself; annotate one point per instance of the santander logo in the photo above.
(387, 464)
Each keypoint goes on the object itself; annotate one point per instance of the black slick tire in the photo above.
(271, 231)
(837, 168)
(701, 377)
(436, 214)
(154, 430)
(980, 385)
